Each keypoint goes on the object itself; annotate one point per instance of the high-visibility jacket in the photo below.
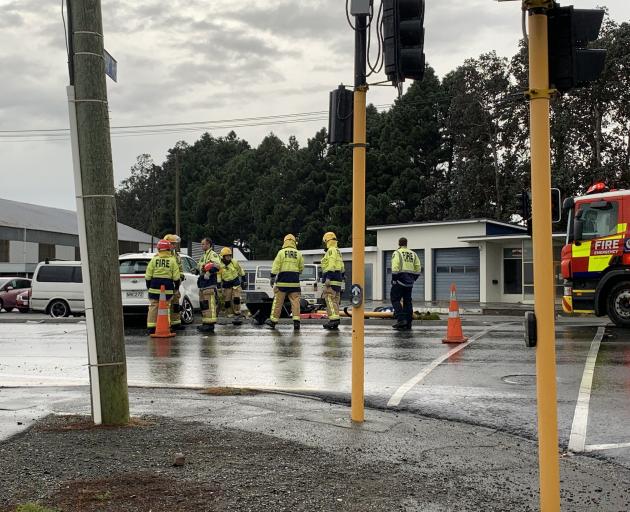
(286, 268)
(208, 279)
(406, 267)
(231, 274)
(332, 266)
(162, 270)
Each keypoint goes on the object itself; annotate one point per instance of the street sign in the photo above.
(357, 295)
(111, 66)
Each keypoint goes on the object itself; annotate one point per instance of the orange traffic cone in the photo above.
(163, 327)
(454, 330)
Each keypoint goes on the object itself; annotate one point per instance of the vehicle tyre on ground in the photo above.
(187, 313)
(23, 310)
(59, 309)
(619, 304)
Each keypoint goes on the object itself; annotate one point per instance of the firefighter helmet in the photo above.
(290, 238)
(174, 239)
(164, 245)
(226, 251)
(328, 237)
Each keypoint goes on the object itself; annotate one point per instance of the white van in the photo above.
(57, 289)
(310, 287)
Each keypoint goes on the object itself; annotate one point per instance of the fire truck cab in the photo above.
(596, 257)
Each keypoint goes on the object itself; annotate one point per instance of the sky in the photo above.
(206, 60)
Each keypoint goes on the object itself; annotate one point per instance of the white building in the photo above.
(489, 261)
(31, 233)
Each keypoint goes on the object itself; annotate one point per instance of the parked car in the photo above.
(23, 301)
(10, 289)
(134, 290)
(57, 289)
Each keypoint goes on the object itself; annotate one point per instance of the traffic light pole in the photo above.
(358, 216)
(539, 94)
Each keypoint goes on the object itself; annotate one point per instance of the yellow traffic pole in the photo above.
(543, 256)
(358, 218)
(358, 252)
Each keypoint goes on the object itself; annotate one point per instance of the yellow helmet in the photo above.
(328, 237)
(226, 251)
(174, 239)
(289, 238)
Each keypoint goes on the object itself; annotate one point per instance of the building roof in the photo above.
(44, 218)
(446, 222)
(500, 238)
(342, 250)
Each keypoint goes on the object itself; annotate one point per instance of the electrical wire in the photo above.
(380, 61)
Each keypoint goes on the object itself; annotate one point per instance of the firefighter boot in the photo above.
(400, 325)
(296, 325)
(332, 325)
(270, 323)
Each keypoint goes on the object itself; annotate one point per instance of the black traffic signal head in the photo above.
(571, 62)
(403, 39)
(340, 118)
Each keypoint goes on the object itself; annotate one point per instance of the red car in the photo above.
(10, 289)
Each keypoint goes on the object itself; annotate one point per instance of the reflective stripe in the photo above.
(453, 314)
(598, 263)
(157, 292)
(581, 251)
(288, 285)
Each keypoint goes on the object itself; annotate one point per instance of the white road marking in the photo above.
(404, 389)
(577, 439)
(612, 446)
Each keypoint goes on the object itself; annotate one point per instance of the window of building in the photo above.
(513, 271)
(4, 251)
(77, 254)
(46, 251)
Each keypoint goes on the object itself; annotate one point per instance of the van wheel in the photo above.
(619, 304)
(59, 309)
(187, 313)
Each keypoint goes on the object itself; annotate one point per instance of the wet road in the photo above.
(490, 381)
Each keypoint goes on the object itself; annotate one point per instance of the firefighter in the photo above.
(175, 307)
(332, 276)
(232, 283)
(406, 269)
(162, 270)
(285, 278)
(209, 266)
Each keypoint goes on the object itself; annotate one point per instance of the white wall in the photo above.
(23, 252)
(64, 252)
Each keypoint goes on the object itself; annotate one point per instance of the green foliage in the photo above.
(454, 148)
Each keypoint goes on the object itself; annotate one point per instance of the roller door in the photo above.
(459, 266)
(418, 288)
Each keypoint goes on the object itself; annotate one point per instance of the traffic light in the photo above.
(340, 118)
(526, 208)
(571, 62)
(403, 39)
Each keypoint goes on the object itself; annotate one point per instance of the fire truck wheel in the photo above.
(619, 304)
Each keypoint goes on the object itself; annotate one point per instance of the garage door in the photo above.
(418, 288)
(459, 266)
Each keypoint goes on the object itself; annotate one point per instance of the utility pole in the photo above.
(94, 181)
(539, 95)
(358, 218)
(177, 193)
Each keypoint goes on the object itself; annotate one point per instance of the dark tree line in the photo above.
(454, 148)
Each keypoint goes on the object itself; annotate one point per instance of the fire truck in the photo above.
(596, 257)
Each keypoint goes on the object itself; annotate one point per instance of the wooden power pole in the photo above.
(97, 211)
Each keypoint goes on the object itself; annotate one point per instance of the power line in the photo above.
(195, 125)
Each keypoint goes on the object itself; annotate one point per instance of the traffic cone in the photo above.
(454, 329)
(163, 327)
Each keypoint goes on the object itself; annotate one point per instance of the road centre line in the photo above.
(577, 439)
(407, 386)
(612, 446)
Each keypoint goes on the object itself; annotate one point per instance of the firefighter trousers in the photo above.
(278, 302)
(175, 308)
(208, 303)
(232, 300)
(153, 312)
(332, 298)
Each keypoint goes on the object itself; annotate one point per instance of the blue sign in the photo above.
(111, 66)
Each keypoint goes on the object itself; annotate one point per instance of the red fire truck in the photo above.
(596, 257)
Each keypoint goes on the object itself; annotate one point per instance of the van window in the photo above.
(308, 274)
(264, 272)
(59, 274)
(133, 266)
